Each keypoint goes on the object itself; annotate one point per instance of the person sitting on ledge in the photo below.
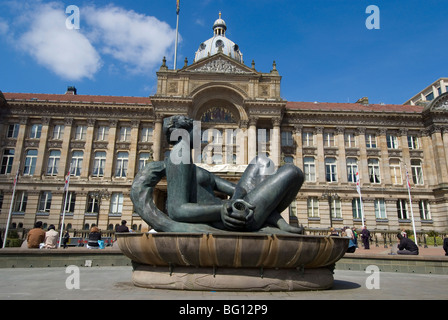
(255, 202)
(406, 246)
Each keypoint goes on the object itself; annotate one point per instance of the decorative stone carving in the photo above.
(220, 66)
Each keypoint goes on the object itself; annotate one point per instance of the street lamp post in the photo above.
(98, 195)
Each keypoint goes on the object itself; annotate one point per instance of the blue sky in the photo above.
(322, 48)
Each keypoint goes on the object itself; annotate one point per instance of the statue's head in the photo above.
(175, 123)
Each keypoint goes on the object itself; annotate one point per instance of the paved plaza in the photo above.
(113, 283)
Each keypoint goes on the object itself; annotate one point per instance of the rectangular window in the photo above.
(417, 172)
(287, 138)
(45, 202)
(330, 170)
(313, 207)
(356, 208)
(121, 168)
(77, 159)
(402, 209)
(374, 170)
(93, 206)
(35, 132)
(116, 203)
(58, 132)
(80, 133)
(395, 171)
(413, 142)
(309, 169)
(329, 139)
(349, 140)
(7, 160)
(352, 169)
(370, 140)
(20, 201)
(307, 139)
(99, 164)
(392, 141)
(53, 162)
(125, 134)
(336, 208)
(146, 134)
(70, 204)
(380, 209)
(425, 213)
(143, 159)
(102, 133)
(13, 131)
(30, 162)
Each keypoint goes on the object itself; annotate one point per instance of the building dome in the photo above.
(219, 43)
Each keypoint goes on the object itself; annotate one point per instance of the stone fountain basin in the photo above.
(232, 250)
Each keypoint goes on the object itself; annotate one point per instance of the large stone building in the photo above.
(107, 139)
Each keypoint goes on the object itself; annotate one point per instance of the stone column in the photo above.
(439, 155)
(342, 167)
(157, 138)
(88, 146)
(40, 166)
(429, 166)
(384, 159)
(252, 139)
(65, 152)
(445, 142)
(110, 153)
(363, 166)
(132, 160)
(298, 144)
(18, 150)
(276, 141)
(320, 170)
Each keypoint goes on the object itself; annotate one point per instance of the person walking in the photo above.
(365, 237)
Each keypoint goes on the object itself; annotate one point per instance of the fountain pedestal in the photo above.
(232, 261)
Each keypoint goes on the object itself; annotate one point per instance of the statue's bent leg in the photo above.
(274, 193)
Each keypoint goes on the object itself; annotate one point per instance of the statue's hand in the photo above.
(237, 214)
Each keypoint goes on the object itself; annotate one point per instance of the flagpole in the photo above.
(410, 203)
(177, 35)
(67, 183)
(10, 206)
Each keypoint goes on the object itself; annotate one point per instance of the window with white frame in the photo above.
(80, 133)
(287, 139)
(370, 140)
(53, 162)
(336, 208)
(380, 209)
(402, 209)
(425, 213)
(20, 201)
(392, 141)
(146, 134)
(45, 201)
(329, 139)
(395, 171)
(309, 169)
(102, 133)
(77, 159)
(13, 131)
(356, 208)
(330, 170)
(352, 169)
(121, 167)
(58, 132)
(93, 205)
(70, 204)
(307, 139)
(374, 170)
(143, 159)
(35, 131)
(116, 203)
(125, 134)
(99, 164)
(413, 142)
(350, 140)
(7, 160)
(312, 207)
(30, 162)
(417, 171)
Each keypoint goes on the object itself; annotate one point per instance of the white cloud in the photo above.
(138, 41)
(110, 36)
(68, 53)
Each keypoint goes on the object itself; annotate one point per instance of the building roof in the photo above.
(350, 107)
(35, 97)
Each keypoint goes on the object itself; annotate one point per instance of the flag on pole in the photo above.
(178, 6)
(67, 179)
(358, 186)
(407, 178)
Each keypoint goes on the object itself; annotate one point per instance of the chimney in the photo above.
(71, 90)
